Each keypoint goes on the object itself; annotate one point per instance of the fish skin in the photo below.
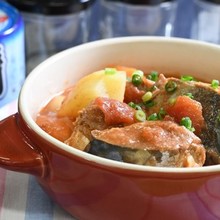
(210, 101)
(210, 135)
(152, 143)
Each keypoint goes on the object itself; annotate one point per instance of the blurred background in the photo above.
(51, 26)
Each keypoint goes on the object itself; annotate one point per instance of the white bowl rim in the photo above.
(92, 158)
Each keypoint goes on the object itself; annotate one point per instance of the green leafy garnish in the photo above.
(215, 84)
(190, 95)
(170, 86)
(161, 114)
(110, 71)
(153, 88)
(138, 72)
(134, 106)
(149, 104)
(140, 115)
(172, 100)
(147, 96)
(186, 122)
(137, 77)
(152, 117)
(153, 76)
(187, 78)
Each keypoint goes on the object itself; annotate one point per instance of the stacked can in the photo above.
(12, 53)
(137, 17)
(206, 23)
(52, 26)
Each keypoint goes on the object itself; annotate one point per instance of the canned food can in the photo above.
(12, 53)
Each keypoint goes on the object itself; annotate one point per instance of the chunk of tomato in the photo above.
(115, 112)
(133, 93)
(187, 107)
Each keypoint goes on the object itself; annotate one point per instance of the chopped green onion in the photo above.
(110, 71)
(136, 79)
(153, 88)
(172, 100)
(170, 86)
(152, 117)
(149, 104)
(138, 72)
(215, 84)
(186, 122)
(161, 114)
(187, 78)
(153, 76)
(134, 106)
(140, 115)
(147, 96)
(190, 95)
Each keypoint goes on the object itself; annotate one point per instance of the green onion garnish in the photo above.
(149, 104)
(161, 114)
(172, 100)
(152, 117)
(140, 115)
(170, 86)
(153, 76)
(134, 106)
(138, 72)
(147, 96)
(190, 95)
(153, 88)
(186, 122)
(187, 78)
(215, 84)
(110, 71)
(136, 79)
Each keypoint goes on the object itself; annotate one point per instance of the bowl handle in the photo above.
(17, 153)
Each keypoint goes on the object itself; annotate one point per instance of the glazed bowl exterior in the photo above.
(94, 188)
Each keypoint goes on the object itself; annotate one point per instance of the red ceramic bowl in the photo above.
(94, 188)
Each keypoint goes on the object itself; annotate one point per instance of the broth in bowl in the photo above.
(139, 117)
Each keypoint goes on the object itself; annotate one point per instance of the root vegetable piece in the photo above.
(97, 84)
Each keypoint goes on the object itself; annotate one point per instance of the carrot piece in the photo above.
(187, 107)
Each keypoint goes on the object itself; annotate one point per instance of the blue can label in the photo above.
(4, 21)
(12, 53)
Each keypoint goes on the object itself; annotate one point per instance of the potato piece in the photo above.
(97, 84)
